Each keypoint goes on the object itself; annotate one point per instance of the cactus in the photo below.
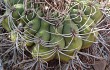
(49, 35)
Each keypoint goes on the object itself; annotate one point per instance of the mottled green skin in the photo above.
(87, 27)
(18, 9)
(27, 17)
(6, 24)
(76, 44)
(13, 2)
(31, 28)
(44, 35)
(56, 38)
(43, 31)
(42, 52)
(97, 16)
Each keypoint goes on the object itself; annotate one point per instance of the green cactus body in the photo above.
(12, 2)
(32, 28)
(40, 33)
(76, 43)
(80, 18)
(87, 23)
(89, 39)
(43, 32)
(97, 15)
(92, 38)
(6, 24)
(7, 21)
(90, 9)
(27, 17)
(44, 35)
(13, 36)
(42, 52)
(59, 40)
(18, 9)
(70, 27)
(68, 53)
